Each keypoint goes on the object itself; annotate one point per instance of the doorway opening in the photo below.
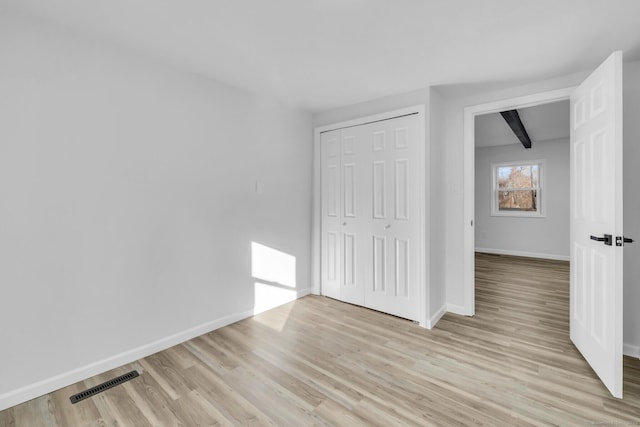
(596, 202)
(522, 198)
(522, 218)
(470, 115)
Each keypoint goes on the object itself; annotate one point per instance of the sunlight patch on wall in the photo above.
(272, 265)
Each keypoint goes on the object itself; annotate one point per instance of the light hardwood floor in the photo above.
(320, 362)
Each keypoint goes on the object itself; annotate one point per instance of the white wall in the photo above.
(631, 179)
(455, 99)
(127, 204)
(376, 106)
(437, 214)
(544, 237)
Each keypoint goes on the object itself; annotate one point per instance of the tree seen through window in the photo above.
(518, 187)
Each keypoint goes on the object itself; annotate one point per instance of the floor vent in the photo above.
(104, 386)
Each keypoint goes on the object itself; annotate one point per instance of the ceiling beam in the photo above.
(513, 120)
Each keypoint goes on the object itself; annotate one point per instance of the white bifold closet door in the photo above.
(371, 234)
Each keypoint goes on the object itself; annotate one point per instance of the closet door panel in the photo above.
(331, 233)
(354, 213)
(393, 148)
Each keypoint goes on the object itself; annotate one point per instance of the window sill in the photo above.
(519, 214)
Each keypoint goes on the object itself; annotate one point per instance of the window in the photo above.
(518, 189)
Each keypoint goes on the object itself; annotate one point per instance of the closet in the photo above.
(371, 215)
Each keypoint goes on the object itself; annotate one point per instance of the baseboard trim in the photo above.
(436, 317)
(523, 254)
(40, 388)
(631, 350)
(457, 309)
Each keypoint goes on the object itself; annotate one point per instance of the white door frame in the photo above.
(423, 199)
(469, 176)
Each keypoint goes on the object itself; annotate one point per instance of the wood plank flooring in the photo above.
(320, 362)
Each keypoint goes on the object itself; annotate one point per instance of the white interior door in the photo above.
(393, 244)
(596, 212)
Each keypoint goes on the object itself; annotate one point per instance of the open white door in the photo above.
(596, 221)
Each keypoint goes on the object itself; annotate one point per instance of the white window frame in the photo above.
(542, 203)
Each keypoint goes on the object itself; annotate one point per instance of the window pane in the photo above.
(518, 200)
(535, 175)
(523, 176)
(503, 176)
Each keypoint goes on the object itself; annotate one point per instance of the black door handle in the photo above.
(607, 239)
(620, 240)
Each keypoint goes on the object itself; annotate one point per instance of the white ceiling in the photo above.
(545, 122)
(319, 54)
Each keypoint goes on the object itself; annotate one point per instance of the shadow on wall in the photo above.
(275, 275)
